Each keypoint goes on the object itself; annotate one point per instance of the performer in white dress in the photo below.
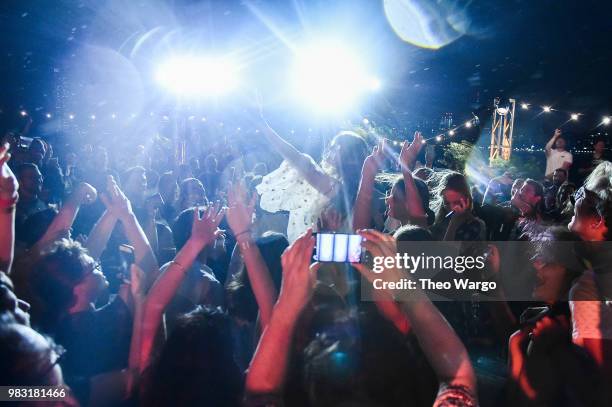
(304, 188)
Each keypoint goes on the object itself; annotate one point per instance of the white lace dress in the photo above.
(284, 189)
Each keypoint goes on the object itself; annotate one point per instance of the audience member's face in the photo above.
(588, 226)
(559, 177)
(560, 143)
(551, 284)
(454, 201)
(94, 284)
(599, 147)
(37, 151)
(136, 183)
(30, 181)
(528, 195)
(18, 308)
(195, 194)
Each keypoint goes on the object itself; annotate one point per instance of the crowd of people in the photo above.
(148, 281)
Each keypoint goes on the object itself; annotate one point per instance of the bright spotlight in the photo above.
(365, 121)
(113, 116)
(438, 138)
(451, 132)
(197, 76)
(92, 117)
(468, 124)
(71, 116)
(330, 78)
(48, 115)
(23, 113)
(547, 109)
(524, 106)
(606, 120)
(574, 116)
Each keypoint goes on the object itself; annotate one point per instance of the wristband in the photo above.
(242, 233)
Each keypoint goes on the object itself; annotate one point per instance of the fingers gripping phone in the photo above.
(338, 248)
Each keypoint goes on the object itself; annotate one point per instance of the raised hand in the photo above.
(374, 162)
(240, 210)
(299, 276)
(115, 200)
(409, 152)
(8, 181)
(85, 194)
(557, 133)
(205, 228)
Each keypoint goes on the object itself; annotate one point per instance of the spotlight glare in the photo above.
(438, 138)
(193, 76)
(71, 116)
(365, 121)
(48, 115)
(423, 141)
(606, 120)
(451, 132)
(574, 116)
(92, 117)
(547, 109)
(524, 106)
(330, 78)
(468, 124)
(113, 116)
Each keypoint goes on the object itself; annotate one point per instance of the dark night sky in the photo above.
(545, 52)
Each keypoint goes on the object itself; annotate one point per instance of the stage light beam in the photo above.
(524, 106)
(547, 109)
(468, 124)
(574, 116)
(606, 120)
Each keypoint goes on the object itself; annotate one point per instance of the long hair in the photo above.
(453, 181)
(353, 151)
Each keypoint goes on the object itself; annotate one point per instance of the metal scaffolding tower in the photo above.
(501, 130)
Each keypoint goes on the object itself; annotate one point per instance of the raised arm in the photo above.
(62, 223)
(548, 147)
(413, 203)
(301, 162)
(268, 369)
(362, 211)
(204, 231)
(8, 200)
(239, 217)
(121, 206)
(439, 342)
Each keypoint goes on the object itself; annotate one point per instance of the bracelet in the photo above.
(242, 233)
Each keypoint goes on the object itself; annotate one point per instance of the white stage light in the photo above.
(71, 116)
(92, 117)
(606, 120)
(23, 113)
(48, 115)
(451, 132)
(468, 124)
(113, 116)
(193, 76)
(330, 78)
(574, 116)
(524, 106)
(547, 109)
